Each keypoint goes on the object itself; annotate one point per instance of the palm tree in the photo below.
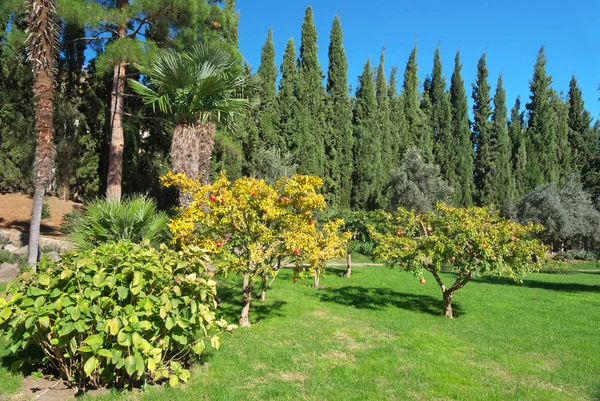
(42, 44)
(198, 87)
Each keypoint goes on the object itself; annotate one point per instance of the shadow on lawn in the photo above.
(381, 298)
(230, 304)
(567, 287)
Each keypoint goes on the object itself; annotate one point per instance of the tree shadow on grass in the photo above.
(382, 298)
(546, 285)
(230, 304)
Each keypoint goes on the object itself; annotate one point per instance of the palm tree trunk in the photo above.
(185, 149)
(117, 141)
(42, 49)
(207, 140)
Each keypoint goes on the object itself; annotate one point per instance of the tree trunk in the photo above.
(448, 304)
(42, 37)
(185, 150)
(317, 277)
(348, 264)
(117, 141)
(207, 139)
(246, 298)
(263, 290)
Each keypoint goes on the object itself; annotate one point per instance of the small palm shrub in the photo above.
(134, 219)
(116, 315)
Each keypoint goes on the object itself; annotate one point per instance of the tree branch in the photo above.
(437, 277)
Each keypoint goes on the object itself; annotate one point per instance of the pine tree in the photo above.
(581, 136)
(367, 144)
(267, 71)
(383, 123)
(311, 152)
(398, 120)
(482, 137)
(441, 116)
(541, 146)
(338, 143)
(518, 139)
(462, 151)
(502, 181)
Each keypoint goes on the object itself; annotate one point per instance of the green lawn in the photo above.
(380, 336)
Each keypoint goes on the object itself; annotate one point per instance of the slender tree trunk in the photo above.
(247, 285)
(263, 290)
(117, 141)
(317, 277)
(207, 140)
(348, 264)
(448, 304)
(42, 49)
(185, 150)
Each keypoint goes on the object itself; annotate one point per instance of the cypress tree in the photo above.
(232, 20)
(441, 115)
(339, 161)
(502, 180)
(397, 119)
(541, 145)
(462, 151)
(367, 144)
(582, 140)
(311, 153)
(563, 164)
(425, 130)
(267, 72)
(410, 95)
(484, 143)
(518, 139)
(383, 123)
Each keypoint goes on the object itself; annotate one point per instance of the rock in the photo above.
(10, 248)
(8, 271)
(54, 256)
(22, 251)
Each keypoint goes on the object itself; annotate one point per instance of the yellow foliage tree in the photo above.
(248, 225)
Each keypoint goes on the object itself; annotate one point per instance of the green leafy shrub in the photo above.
(9, 257)
(116, 315)
(134, 219)
(68, 219)
(45, 211)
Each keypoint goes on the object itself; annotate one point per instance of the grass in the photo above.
(380, 336)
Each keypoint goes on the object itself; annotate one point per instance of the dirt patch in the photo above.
(287, 376)
(339, 356)
(15, 213)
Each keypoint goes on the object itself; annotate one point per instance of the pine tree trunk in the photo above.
(263, 289)
(207, 139)
(185, 149)
(42, 36)
(348, 264)
(246, 298)
(448, 305)
(117, 141)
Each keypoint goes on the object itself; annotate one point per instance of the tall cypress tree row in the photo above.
(291, 115)
(410, 94)
(518, 140)
(462, 153)
(383, 123)
(367, 144)
(441, 116)
(267, 72)
(310, 154)
(582, 140)
(398, 120)
(338, 143)
(483, 141)
(541, 124)
(563, 160)
(502, 180)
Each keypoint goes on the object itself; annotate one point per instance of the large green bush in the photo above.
(115, 315)
(134, 219)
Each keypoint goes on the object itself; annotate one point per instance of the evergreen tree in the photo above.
(231, 22)
(441, 116)
(397, 119)
(502, 181)
(462, 151)
(383, 123)
(310, 154)
(338, 143)
(267, 71)
(484, 142)
(563, 164)
(541, 124)
(410, 95)
(367, 144)
(518, 139)
(581, 135)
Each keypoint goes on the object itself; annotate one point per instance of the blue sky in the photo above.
(510, 31)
